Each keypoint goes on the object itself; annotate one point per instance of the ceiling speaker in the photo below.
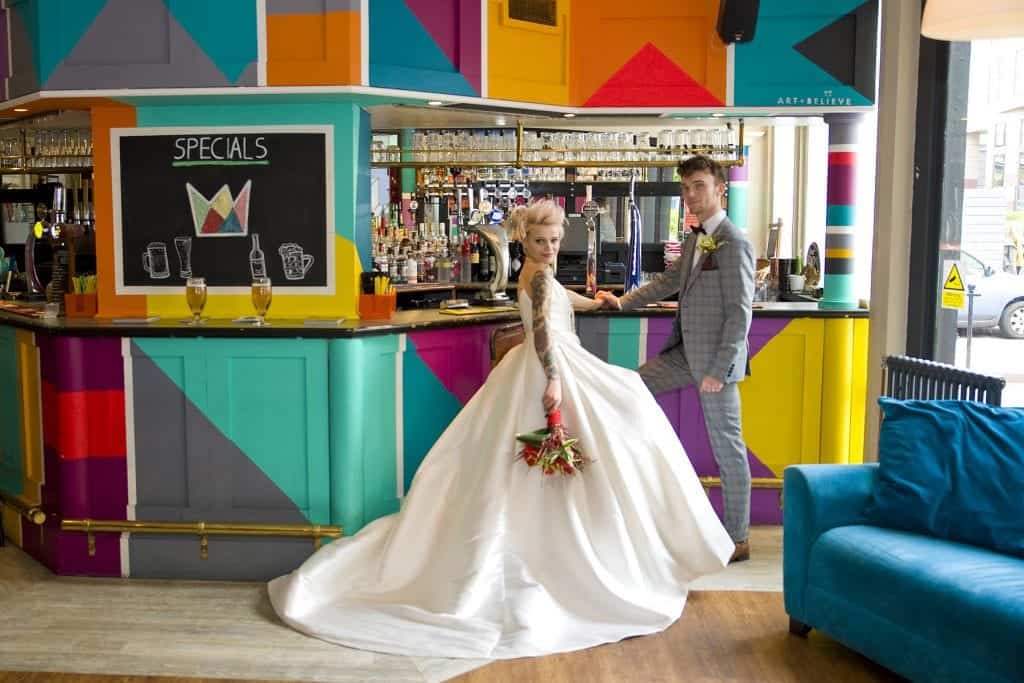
(736, 20)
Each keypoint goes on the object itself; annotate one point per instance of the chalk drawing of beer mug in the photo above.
(154, 261)
(296, 263)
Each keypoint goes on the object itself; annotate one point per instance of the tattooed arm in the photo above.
(540, 295)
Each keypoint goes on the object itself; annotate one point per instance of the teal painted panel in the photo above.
(64, 22)
(269, 396)
(363, 400)
(225, 29)
(624, 342)
(770, 72)
(345, 117)
(420, 64)
(427, 406)
(12, 454)
(838, 215)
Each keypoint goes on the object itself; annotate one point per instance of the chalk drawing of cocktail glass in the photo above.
(296, 263)
(154, 261)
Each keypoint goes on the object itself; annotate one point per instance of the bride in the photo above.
(490, 558)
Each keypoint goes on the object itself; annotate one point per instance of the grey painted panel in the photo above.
(187, 66)
(24, 77)
(278, 7)
(230, 558)
(161, 441)
(248, 76)
(110, 41)
(593, 334)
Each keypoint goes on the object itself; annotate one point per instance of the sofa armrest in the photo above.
(818, 498)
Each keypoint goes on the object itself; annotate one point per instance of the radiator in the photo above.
(915, 378)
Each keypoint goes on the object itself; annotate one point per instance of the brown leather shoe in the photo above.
(742, 552)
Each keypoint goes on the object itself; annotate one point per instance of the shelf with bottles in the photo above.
(541, 148)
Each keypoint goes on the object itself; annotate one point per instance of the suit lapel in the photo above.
(687, 256)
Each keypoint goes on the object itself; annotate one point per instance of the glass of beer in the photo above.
(261, 296)
(195, 296)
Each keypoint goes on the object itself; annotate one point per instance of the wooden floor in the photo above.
(723, 636)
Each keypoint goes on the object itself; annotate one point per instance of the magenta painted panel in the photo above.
(455, 27)
(470, 345)
(79, 364)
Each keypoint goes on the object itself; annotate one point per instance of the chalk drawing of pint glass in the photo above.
(296, 263)
(154, 261)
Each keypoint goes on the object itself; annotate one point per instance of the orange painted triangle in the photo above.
(650, 78)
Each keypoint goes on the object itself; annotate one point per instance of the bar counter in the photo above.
(400, 322)
(296, 427)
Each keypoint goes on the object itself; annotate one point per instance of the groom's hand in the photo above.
(711, 384)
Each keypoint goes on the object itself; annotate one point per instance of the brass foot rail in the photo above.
(27, 510)
(202, 529)
(755, 482)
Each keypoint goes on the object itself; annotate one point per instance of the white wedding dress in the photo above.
(489, 558)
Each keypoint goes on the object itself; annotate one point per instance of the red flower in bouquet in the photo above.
(551, 449)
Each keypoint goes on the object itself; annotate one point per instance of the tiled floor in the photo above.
(222, 629)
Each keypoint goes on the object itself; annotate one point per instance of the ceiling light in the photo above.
(500, 121)
(718, 115)
(20, 109)
(569, 115)
(435, 103)
(948, 20)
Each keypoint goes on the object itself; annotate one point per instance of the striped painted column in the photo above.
(840, 220)
(739, 180)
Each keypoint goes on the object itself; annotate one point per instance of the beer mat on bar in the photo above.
(135, 321)
(323, 322)
(664, 304)
(476, 310)
(26, 311)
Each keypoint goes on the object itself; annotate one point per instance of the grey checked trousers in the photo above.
(670, 370)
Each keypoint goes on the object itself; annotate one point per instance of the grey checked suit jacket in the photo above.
(714, 305)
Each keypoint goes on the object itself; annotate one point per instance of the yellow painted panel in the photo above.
(527, 62)
(12, 525)
(858, 390)
(31, 416)
(342, 304)
(837, 391)
(782, 397)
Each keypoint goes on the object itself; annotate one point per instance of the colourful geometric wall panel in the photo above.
(527, 61)
(83, 44)
(11, 446)
(210, 446)
(313, 42)
(810, 55)
(656, 53)
(426, 45)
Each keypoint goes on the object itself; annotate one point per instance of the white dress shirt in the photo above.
(710, 225)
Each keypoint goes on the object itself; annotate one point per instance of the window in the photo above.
(535, 11)
(971, 266)
(998, 170)
(1000, 140)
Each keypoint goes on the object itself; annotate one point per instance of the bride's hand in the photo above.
(552, 395)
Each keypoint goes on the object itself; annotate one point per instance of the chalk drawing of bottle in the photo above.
(257, 261)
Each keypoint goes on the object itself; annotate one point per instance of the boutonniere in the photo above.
(709, 245)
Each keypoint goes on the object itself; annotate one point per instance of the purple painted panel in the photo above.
(465, 377)
(81, 364)
(72, 484)
(108, 488)
(842, 185)
(455, 27)
(684, 412)
(67, 552)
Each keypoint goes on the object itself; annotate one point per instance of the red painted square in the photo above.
(91, 424)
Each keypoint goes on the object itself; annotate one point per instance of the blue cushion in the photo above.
(952, 469)
(928, 608)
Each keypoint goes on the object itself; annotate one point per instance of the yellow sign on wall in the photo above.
(953, 288)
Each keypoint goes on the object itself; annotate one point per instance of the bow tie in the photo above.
(699, 230)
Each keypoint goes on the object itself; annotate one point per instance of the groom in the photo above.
(714, 276)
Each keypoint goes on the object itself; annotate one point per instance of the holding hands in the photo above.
(607, 300)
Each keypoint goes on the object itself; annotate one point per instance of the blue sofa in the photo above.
(927, 608)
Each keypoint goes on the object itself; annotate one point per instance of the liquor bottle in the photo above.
(474, 259)
(257, 261)
(466, 263)
(485, 262)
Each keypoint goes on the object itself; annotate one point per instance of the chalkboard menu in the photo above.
(227, 204)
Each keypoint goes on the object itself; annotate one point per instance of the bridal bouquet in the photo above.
(551, 449)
